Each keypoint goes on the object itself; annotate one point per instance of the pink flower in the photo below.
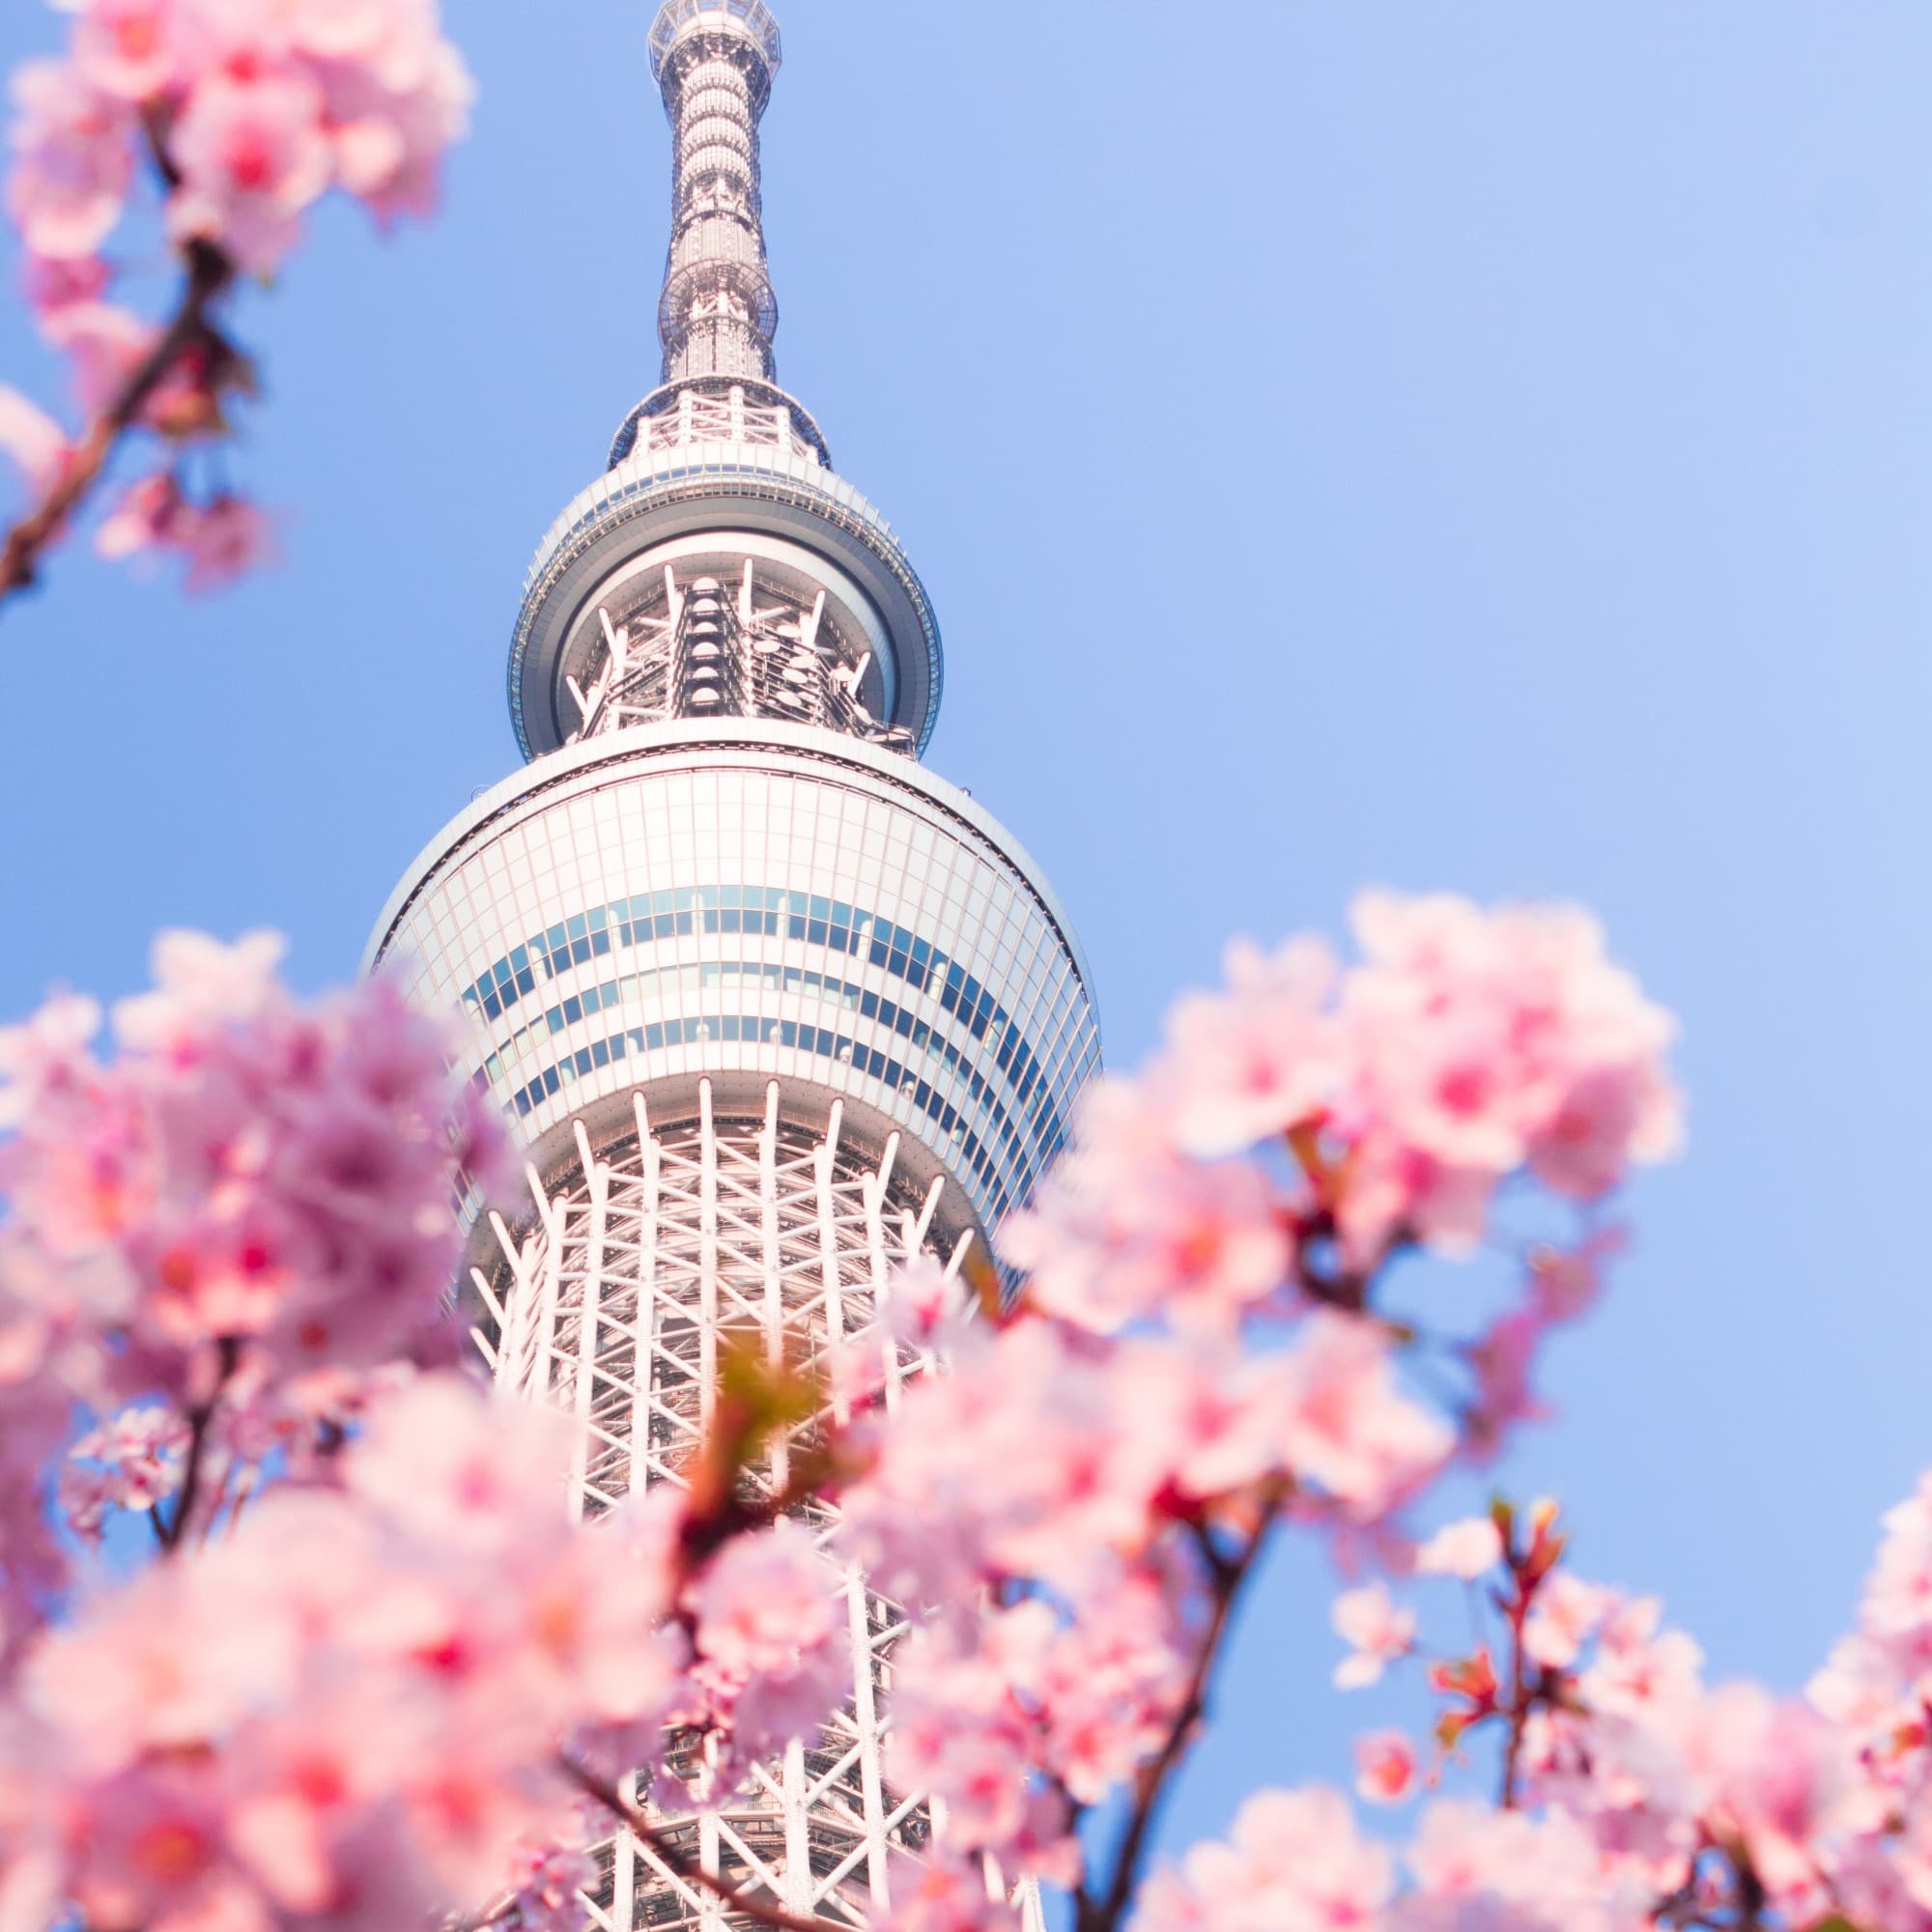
(471, 1472)
(146, 517)
(75, 162)
(1566, 1282)
(138, 1458)
(36, 444)
(252, 157)
(1502, 1360)
(1780, 1775)
(1246, 1066)
(1479, 1041)
(1504, 1871)
(1564, 1615)
(46, 1063)
(548, 1884)
(1464, 1550)
(1385, 1767)
(128, 48)
(1377, 1630)
(223, 541)
(764, 1599)
(943, 1893)
(106, 345)
(59, 282)
(1346, 1425)
(1295, 1864)
(1127, 1229)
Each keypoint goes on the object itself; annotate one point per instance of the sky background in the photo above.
(1481, 447)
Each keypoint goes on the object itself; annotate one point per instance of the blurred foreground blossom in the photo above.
(402, 1681)
(242, 114)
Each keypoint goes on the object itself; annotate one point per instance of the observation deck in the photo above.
(727, 483)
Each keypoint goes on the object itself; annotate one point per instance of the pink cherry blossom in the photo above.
(106, 343)
(1385, 1767)
(1377, 1630)
(546, 1887)
(223, 540)
(244, 114)
(132, 1463)
(1566, 1282)
(1104, 1247)
(128, 50)
(55, 283)
(38, 444)
(1247, 1064)
(1348, 1426)
(1295, 1864)
(764, 1600)
(1503, 1870)
(252, 157)
(1565, 1614)
(73, 162)
(145, 518)
(1465, 1550)
(943, 1893)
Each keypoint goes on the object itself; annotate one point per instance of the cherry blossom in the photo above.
(1385, 1765)
(242, 114)
(1295, 1864)
(382, 1672)
(35, 442)
(75, 161)
(1463, 1549)
(1377, 1630)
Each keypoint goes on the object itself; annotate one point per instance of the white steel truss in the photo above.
(703, 648)
(642, 1257)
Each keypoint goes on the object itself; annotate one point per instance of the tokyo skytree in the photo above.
(773, 1008)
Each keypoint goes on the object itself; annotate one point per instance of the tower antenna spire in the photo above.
(714, 62)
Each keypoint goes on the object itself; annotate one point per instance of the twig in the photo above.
(210, 272)
(1152, 1785)
(680, 1863)
(200, 1419)
(1519, 1706)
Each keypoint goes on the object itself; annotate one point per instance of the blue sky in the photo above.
(1481, 447)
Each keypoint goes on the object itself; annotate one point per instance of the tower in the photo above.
(774, 1008)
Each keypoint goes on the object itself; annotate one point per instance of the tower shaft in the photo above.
(773, 1009)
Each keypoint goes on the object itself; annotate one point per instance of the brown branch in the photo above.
(1156, 1778)
(680, 1863)
(200, 1419)
(209, 273)
(1520, 1704)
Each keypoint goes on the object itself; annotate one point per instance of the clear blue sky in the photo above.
(1479, 447)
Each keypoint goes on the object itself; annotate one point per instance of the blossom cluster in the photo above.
(1636, 1793)
(394, 1679)
(1309, 1123)
(251, 1201)
(1200, 1352)
(244, 114)
(366, 1704)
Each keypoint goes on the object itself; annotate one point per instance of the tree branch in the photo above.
(200, 1418)
(209, 273)
(680, 1863)
(1156, 1778)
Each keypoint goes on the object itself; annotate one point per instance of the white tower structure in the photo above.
(774, 1008)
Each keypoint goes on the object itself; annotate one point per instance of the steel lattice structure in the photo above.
(775, 1009)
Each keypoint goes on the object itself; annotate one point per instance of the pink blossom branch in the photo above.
(1155, 1781)
(678, 1863)
(209, 273)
